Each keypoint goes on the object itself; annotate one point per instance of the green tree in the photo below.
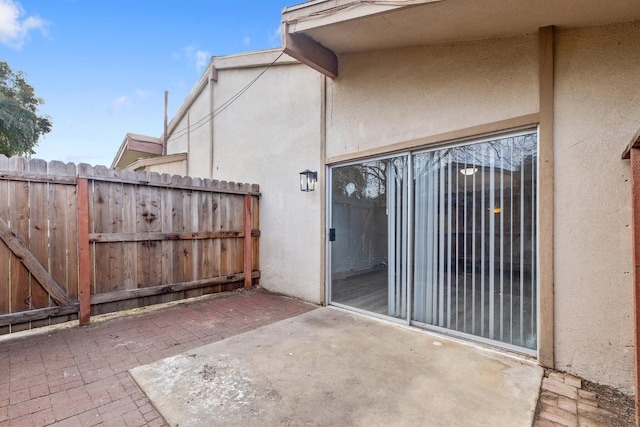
(20, 124)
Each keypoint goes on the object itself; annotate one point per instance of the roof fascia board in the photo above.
(153, 161)
(308, 5)
(260, 58)
(143, 138)
(320, 14)
(144, 147)
(311, 53)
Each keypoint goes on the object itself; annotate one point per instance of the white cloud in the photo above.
(202, 59)
(196, 57)
(275, 38)
(143, 93)
(13, 27)
(246, 40)
(119, 103)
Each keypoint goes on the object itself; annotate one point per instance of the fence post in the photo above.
(248, 251)
(84, 280)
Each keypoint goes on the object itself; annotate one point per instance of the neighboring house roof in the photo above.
(135, 147)
(317, 31)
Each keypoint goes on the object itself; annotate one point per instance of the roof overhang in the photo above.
(135, 147)
(318, 32)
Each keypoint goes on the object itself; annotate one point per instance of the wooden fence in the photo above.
(82, 240)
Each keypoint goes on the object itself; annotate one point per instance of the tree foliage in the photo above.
(20, 124)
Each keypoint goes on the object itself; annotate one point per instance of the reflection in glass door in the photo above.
(369, 208)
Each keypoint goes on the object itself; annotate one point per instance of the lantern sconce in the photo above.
(308, 180)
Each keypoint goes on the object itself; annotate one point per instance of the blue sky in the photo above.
(102, 66)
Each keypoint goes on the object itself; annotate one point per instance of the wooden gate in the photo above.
(82, 240)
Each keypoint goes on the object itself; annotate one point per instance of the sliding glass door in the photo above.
(369, 264)
(453, 227)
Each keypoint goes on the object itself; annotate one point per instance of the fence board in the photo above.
(58, 223)
(101, 223)
(166, 289)
(63, 227)
(129, 226)
(36, 315)
(154, 226)
(116, 249)
(39, 235)
(167, 247)
(143, 254)
(206, 248)
(177, 226)
(197, 223)
(18, 224)
(216, 245)
(187, 205)
(116, 278)
(223, 208)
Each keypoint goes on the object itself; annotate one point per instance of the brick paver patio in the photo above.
(78, 376)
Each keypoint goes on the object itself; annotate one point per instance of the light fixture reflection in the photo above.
(468, 171)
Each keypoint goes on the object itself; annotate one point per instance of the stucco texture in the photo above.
(192, 134)
(200, 135)
(597, 111)
(391, 96)
(268, 136)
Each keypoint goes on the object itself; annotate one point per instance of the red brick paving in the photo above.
(78, 376)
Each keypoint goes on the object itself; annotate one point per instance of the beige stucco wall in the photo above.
(178, 167)
(267, 136)
(597, 112)
(200, 135)
(192, 133)
(178, 141)
(390, 96)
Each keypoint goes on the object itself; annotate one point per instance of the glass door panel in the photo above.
(475, 239)
(369, 207)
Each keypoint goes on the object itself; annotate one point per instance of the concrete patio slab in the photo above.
(330, 367)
